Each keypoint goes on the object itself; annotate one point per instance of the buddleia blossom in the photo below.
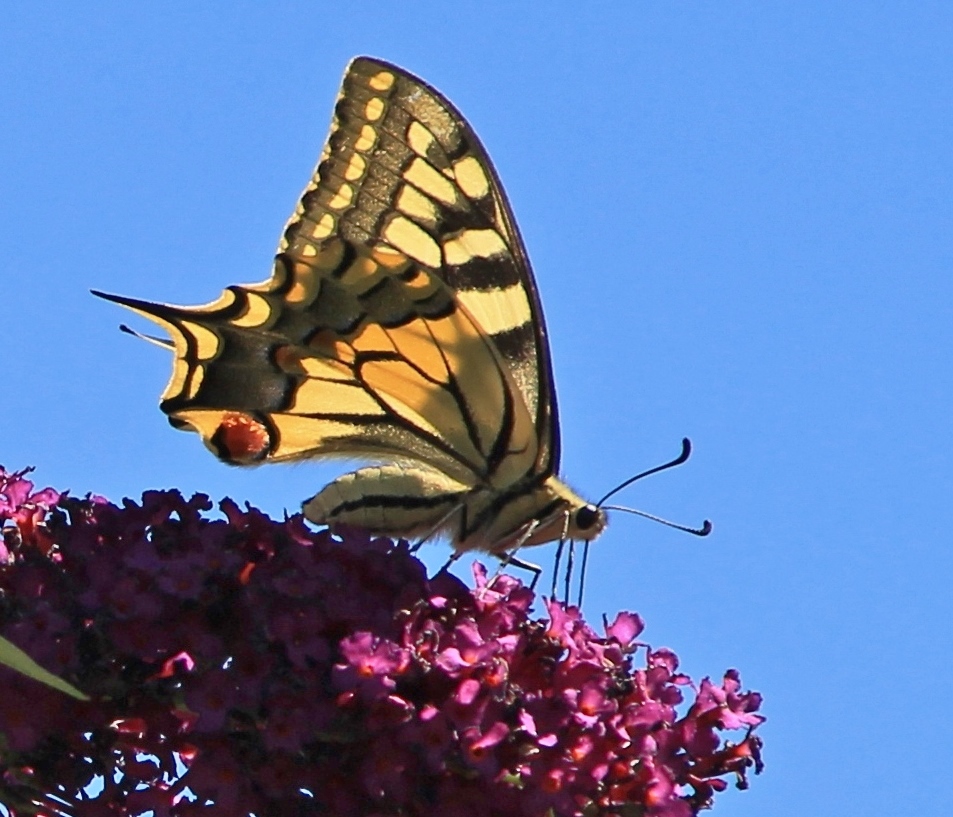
(238, 665)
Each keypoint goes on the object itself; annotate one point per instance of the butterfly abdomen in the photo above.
(401, 500)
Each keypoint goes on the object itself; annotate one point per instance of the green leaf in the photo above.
(15, 658)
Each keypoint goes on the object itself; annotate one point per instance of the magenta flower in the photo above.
(245, 666)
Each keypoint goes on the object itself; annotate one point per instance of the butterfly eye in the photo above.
(587, 517)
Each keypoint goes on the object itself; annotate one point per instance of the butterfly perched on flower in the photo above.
(401, 325)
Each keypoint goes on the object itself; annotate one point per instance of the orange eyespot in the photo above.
(241, 439)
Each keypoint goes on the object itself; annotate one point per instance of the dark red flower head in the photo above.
(268, 669)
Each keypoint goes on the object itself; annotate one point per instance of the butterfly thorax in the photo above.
(531, 512)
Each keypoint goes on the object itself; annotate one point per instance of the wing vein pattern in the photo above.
(401, 324)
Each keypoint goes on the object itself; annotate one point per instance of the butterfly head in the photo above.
(569, 516)
(587, 522)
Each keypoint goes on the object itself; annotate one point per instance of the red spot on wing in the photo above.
(241, 439)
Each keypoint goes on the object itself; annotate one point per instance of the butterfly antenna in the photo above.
(686, 453)
(163, 342)
(704, 530)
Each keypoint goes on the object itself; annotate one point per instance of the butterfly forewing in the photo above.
(404, 173)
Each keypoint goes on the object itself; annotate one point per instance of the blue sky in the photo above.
(739, 216)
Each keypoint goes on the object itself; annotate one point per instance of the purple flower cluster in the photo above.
(242, 666)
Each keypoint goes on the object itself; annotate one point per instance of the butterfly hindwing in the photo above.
(260, 378)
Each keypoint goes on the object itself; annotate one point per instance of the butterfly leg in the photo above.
(559, 555)
(453, 557)
(582, 572)
(570, 558)
(505, 560)
(440, 524)
(509, 557)
(529, 567)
